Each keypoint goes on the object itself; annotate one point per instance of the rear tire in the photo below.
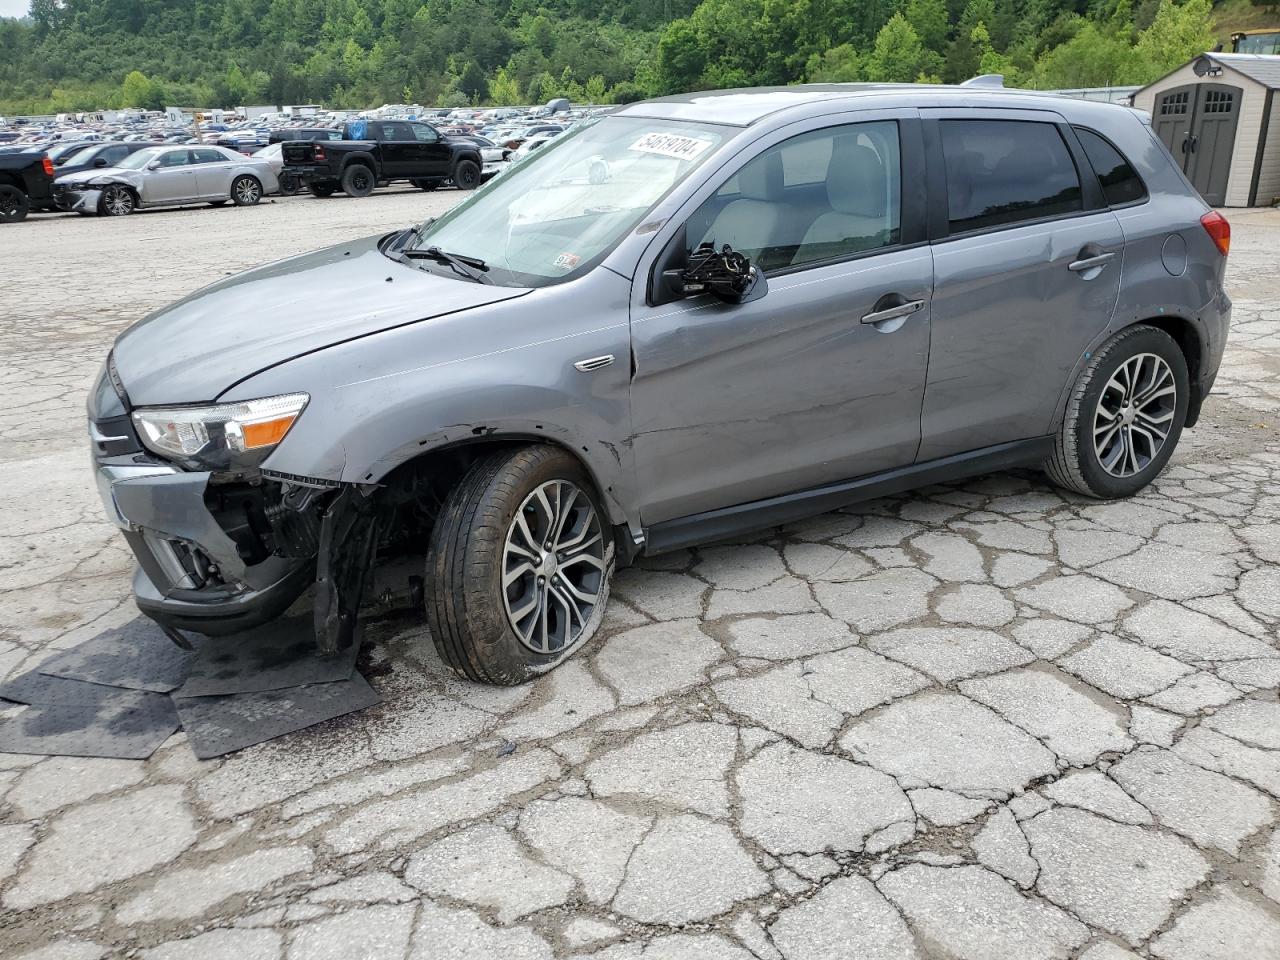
(217, 203)
(246, 191)
(358, 181)
(117, 201)
(481, 573)
(14, 204)
(466, 175)
(1124, 416)
(321, 191)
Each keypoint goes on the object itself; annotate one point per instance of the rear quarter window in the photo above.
(1002, 172)
(1120, 182)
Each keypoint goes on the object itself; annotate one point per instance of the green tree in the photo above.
(930, 21)
(898, 55)
(504, 89)
(1176, 35)
(137, 91)
(838, 65)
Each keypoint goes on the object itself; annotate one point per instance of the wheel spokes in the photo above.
(554, 567)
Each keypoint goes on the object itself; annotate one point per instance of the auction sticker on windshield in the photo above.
(672, 145)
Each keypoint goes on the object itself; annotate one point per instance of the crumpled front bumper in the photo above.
(190, 574)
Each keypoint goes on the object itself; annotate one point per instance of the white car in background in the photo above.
(168, 176)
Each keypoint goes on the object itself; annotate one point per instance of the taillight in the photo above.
(1219, 231)
(319, 155)
(48, 167)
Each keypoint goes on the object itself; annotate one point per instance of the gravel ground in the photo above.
(987, 720)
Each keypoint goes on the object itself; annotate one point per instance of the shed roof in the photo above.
(1256, 66)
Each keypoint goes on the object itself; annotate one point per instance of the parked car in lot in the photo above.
(762, 305)
(95, 156)
(380, 151)
(26, 181)
(167, 176)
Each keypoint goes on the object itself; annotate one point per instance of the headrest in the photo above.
(761, 179)
(855, 179)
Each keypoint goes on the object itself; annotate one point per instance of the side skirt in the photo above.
(760, 514)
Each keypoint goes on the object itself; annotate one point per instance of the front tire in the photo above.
(246, 191)
(518, 567)
(358, 181)
(14, 204)
(466, 175)
(321, 191)
(117, 201)
(1124, 417)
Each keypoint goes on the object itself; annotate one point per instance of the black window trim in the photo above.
(1091, 196)
(1146, 191)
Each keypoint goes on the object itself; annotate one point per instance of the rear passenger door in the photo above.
(431, 154)
(213, 173)
(821, 379)
(399, 147)
(1027, 262)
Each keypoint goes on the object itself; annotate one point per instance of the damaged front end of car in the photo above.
(222, 544)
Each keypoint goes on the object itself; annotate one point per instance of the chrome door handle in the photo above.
(1088, 263)
(893, 313)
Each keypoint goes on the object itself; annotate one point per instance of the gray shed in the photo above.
(1220, 118)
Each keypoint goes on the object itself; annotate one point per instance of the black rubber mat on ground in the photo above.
(274, 656)
(40, 688)
(218, 725)
(127, 726)
(137, 656)
(123, 692)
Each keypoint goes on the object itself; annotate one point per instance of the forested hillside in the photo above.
(84, 54)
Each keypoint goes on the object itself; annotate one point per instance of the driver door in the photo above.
(821, 379)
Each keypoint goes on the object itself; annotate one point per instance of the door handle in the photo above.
(893, 313)
(1088, 263)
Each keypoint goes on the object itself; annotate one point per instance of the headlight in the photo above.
(222, 437)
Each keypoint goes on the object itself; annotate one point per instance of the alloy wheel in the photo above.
(10, 205)
(247, 191)
(1134, 415)
(118, 201)
(553, 567)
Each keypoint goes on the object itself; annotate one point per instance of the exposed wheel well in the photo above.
(417, 487)
(1187, 338)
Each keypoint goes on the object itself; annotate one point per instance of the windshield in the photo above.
(568, 204)
(139, 159)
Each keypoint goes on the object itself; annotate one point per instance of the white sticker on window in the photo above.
(671, 145)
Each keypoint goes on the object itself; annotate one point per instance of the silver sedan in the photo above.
(167, 176)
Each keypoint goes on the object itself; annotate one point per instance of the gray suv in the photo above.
(694, 317)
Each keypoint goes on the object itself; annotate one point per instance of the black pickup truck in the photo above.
(26, 179)
(377, 151)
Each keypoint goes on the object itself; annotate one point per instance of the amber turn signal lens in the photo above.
(267, 433)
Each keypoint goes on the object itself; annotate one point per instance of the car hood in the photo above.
(75, 180)
(201, 346)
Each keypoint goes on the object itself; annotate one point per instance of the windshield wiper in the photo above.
(470, 267)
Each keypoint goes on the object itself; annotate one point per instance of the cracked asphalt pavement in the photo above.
(985, 720)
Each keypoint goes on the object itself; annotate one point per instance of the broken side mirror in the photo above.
(725, 274)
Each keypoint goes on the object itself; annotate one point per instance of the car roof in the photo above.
(745, 106)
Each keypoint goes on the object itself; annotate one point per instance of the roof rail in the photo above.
(992, 80)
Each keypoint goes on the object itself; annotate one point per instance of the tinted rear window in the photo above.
(1120, 182)
(1006, 171)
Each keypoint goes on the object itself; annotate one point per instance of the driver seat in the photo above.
(752, 223)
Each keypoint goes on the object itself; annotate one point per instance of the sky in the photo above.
(14, 8)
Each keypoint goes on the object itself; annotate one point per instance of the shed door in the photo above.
(1172, 120)
(1198, 125)
(1213, 134)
